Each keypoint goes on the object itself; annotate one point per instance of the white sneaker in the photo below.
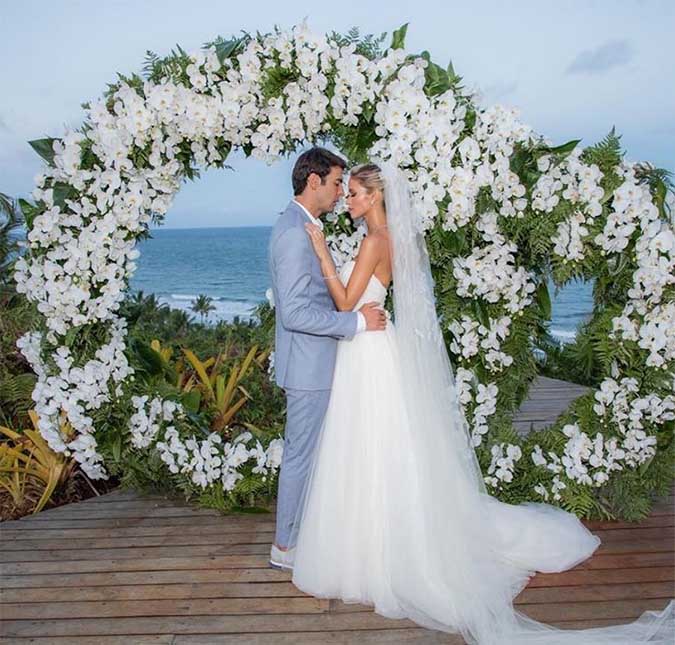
(282, 559)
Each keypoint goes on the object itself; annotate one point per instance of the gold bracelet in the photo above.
(330, 277)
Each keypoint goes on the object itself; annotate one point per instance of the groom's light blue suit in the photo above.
(307, 330)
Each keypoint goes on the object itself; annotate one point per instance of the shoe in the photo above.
(282, 559)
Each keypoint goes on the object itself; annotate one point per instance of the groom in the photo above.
(307, 330)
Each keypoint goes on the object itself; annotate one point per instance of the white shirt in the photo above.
(361, 319)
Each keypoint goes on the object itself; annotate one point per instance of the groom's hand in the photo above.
(376, 319)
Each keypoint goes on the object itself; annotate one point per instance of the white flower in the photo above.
(81, 253)
(541, 490)
(504, 458)
(490, 273)
(538, 456)
(275, 452)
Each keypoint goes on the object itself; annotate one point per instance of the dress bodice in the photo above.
(375, 290)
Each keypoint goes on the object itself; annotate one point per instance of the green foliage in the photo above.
(606, 153)
(524, 163)
(437, 80)
(588, 359)
(62, 192)
(228, 49)
(631, 496)
(17, 316)
(158, 335)
(233, 340)
(369, 45)
(563, 149)
(354, 141)
(171, 67)
(11, 223)
(252, 494)
(143, 470)
(15, 397)
(543, 300)
(660, 182)
(45, 148)
(398, 37)
(29, 212)
(203, 306)
(163, 370)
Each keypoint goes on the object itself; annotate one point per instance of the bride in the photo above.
(395, 512)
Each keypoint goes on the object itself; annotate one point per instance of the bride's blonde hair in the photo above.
(369, 175)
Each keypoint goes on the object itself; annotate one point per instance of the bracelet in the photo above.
(330, 277)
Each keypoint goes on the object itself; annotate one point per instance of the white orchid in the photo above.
(81, 251)
(502, 465)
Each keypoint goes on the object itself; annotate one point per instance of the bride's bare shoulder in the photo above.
(374, 256)
(381, 239)
(374, 245)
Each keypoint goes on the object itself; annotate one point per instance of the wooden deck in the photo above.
(126, 568)
(547, 399)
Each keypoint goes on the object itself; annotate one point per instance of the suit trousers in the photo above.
(305, 412)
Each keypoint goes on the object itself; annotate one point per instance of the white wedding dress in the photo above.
(393, 514)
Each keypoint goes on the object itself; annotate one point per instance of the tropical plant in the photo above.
(139, 305)
(17, 315)
(11, 228)
(503, 212)
(30, 471)
(213, 386)
(220, 392)
(203, 305)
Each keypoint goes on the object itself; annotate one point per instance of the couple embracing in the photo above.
(381, 498)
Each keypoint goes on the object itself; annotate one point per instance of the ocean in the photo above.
(230, 266)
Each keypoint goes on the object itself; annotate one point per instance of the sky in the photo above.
(573, 68)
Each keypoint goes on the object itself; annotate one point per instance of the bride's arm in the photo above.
(345, 298)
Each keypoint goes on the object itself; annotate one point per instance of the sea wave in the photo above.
(225, 309)
(189, 297)
(565, 335)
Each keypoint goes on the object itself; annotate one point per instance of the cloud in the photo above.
(613, 53)
(3, 125)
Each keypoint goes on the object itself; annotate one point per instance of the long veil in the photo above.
(457, 556)
(449, 556)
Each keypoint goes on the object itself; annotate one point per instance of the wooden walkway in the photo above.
(125, 568)
(546, 400)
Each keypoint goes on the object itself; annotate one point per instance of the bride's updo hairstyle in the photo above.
(369, 176)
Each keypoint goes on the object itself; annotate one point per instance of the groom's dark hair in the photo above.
(315, 160)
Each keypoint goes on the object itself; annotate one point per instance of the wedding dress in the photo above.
(395, 513)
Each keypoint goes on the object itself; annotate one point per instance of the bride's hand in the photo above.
(318, 240)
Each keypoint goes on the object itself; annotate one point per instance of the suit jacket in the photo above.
(308, 325)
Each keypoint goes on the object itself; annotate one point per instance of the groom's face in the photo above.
(329, 192)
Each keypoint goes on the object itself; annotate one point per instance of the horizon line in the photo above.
(199, 228)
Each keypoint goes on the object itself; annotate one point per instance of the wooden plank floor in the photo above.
(129, 568)
(546, 400)
(126, 568)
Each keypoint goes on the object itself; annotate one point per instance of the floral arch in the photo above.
(503, 210)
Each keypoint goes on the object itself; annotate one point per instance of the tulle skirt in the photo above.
(374, 529)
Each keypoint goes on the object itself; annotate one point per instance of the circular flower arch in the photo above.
(503, 211)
